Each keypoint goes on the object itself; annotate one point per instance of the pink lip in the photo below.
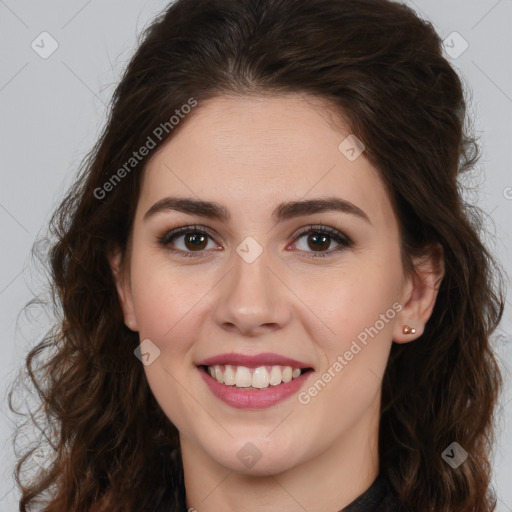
(241, 398)
(264, 359)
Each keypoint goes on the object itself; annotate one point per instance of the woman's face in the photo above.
(260, 291)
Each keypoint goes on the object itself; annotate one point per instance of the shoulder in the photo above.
(390, 502)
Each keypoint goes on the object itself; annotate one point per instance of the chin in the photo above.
(256, 457)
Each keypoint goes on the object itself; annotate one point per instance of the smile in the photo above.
(253, 378)
(253, 382)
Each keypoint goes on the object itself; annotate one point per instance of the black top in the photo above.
(379, 497)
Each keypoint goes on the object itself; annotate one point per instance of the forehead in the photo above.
(253, 152)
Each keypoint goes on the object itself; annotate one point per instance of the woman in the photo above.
(272, 294)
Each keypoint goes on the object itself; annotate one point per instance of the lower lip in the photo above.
(253, 399)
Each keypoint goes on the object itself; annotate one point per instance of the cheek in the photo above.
(353, 302)
(164, 297)
(166, 306)
(359, 313)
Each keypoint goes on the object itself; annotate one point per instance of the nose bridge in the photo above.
(251, 295)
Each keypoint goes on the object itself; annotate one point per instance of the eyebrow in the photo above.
(284, 211)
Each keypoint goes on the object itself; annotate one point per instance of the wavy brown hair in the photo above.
(382, 70)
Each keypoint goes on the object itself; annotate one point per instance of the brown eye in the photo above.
(319, 239)
(195, 241)
(186, 240)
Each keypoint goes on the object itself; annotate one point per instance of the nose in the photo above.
(253, 297)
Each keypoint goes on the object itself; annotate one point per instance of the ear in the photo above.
(419, 294)
(120, 271)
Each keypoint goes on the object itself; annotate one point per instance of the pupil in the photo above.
(323, 238)
(196, 240)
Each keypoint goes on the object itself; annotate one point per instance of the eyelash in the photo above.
(345, 242)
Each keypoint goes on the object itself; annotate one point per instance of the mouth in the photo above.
(261, 377)
(253, 382)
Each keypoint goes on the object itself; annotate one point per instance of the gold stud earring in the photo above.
(408, 330)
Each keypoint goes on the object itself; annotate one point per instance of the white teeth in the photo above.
(275, 376)
(243, 377)
(218, 374)
(229, 375)
(287, 374)
(260, 378)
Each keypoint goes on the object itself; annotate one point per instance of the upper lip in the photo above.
(254, 361)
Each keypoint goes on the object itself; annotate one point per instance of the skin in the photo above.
(250, 154)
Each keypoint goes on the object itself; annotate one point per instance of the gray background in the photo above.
(52, 110)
